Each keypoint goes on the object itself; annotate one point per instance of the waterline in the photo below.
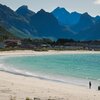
(75, 69)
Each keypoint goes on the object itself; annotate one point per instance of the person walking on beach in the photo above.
(90, 84)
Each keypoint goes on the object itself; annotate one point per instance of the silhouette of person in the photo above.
(90, 84)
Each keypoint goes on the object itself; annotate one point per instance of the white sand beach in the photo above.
(20, 87)
(50, 52)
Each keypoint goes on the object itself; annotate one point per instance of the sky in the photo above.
(90, 6)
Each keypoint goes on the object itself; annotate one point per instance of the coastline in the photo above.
(50, 52)
(20, 86)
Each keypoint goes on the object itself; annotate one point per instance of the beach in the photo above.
(50, 52)
(20, 86)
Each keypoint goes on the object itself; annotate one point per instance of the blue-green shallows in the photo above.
(85, 66)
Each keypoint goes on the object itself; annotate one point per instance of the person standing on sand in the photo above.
(89, 84)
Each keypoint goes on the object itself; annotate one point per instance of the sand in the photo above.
(50, 52)
(19, 87)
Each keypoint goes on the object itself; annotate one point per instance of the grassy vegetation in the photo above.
(27, 98)
(10, 48)
(4, 34)
(44, 44)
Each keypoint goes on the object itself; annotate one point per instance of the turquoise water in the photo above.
(84, 66)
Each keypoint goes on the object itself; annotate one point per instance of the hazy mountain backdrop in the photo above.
(59, 23)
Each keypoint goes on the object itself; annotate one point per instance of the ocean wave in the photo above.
(4, 67)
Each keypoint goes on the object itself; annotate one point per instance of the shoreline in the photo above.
(50, 52)
(43, 53)
(81, 82)
(21, 86)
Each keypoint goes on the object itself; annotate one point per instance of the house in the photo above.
(12, 43)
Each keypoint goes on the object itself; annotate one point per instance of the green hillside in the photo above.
(4, 34)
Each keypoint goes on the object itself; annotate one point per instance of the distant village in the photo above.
(48, 44)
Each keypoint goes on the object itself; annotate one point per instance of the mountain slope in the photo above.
(62, 15)
(93, 33)
(9, 19)
(47, 25)
(24, 23)
(66, 18)
(25, 12)
(74, 18)
(4, 34)
(85, 22)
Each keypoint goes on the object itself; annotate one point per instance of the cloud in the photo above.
(97, 2)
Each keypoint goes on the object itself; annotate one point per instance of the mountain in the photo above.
(97, 18)
(4, 34)
(47, 25)
(24, 23)
(14, 22)
(85, 22)
(92, 33)
(66, 18)
(62, 15)
(25, 12)
(74, 18)
(84, 26)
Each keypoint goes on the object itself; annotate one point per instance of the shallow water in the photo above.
(65, 68)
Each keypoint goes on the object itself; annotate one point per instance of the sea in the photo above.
(76, 69)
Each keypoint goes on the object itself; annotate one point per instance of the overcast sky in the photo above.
(90, 6)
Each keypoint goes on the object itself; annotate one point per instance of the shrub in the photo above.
(28, 98)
